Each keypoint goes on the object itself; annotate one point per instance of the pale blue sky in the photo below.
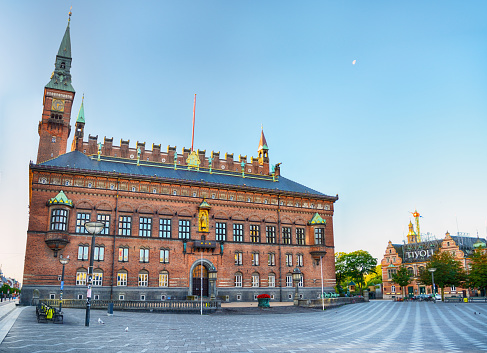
(403, 128)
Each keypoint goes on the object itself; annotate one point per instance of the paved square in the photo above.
(378, 326)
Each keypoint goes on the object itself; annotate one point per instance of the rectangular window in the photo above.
(271, 259)
(238, 280)
(121, 279)
(320, 236)
(99, 253)
(165, 228)
(301, 284)
(300, 236)
(81, 278)
(124, 225)
(145, 226)
(184, 229)
(83, 252)
(221, 231)
(255, 280)
(270, 234)
(238, 258)
(286, 235)
(299, 260)
(97, 278)
(123, 254)
(143, 279)
(393, 289)
(105, 218)
(272, 280)
(59, 219)
(81, 219)
(164, 256)
(254, 233)
(238, 232)
(144, 255)
(163, 279)
(255, 259)
(289, 280)
(289, 260)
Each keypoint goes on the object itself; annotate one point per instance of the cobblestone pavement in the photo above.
(378, 326)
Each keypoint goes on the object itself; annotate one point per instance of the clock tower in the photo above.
(54, 127)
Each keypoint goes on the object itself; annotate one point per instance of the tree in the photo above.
(340, 271)
(402, 277)
(477, 278)
(449, 272)
(354, 266)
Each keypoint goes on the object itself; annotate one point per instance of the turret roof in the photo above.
(262, 142)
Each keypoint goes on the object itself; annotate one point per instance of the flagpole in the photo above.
(194, 111)
(201, 276)
(322, 289)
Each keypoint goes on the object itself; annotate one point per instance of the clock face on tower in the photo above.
(58, 105)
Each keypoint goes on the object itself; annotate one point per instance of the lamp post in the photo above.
(212, 277)
(432, 270)
(93, 228)
(64, 261)
(296, 279)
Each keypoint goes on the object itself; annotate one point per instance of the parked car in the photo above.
(437, 296)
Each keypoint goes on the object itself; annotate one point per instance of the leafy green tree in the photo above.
(402, 277)
(354, 266)
(449, 272)
(477, 278)
(340, 271)
(375, 277)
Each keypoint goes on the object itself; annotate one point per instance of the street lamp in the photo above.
(432, 270)
(212, 272)
(64, 261)
(296, 279)
(93, 228)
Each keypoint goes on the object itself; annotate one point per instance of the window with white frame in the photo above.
(105, 218)
(299, 260)
(255, 280)
(184, 229)
(289, 280)
(99, 254)
(164, 256)
(271, 259)
(393, 289)
(81, 277)
(289, 260)
(145, 226)
(83, 251)
(59, 219)
(320, 236)
(255, 259)
(164, 279)
(272, 280)
(165, 228)
(221, 231)
(301, 281)
(81, 219)
(144, 255)
(238, 258)
(123, 254)
(143, 279)
(98, 278)
(453, 288)
(238, 279)
(122, 278)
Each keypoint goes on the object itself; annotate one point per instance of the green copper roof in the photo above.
(317, 219)
(81, 114)
(61, 77)
(65, 47)
(479, 244)
(60, 199)
(205, 204)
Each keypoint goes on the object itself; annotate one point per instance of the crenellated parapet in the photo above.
(156, 154)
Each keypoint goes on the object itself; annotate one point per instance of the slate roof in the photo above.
(79, 161)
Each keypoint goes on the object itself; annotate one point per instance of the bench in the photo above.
(45, 313)
(477, 299)
(330, 295)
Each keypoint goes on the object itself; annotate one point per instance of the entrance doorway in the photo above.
(422, 290)
(410, 292)
(200, 281)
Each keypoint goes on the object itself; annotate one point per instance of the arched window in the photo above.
(143, 278)
(98, 277)
(238, 279)
(164, 279)
(272, 280)
(81, 277)
(122, 278)
(255, 280)
(410, 271)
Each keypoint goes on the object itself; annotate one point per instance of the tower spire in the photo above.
(263, 152)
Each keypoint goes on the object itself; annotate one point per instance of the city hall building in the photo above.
(415, 255)
(176, 223)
